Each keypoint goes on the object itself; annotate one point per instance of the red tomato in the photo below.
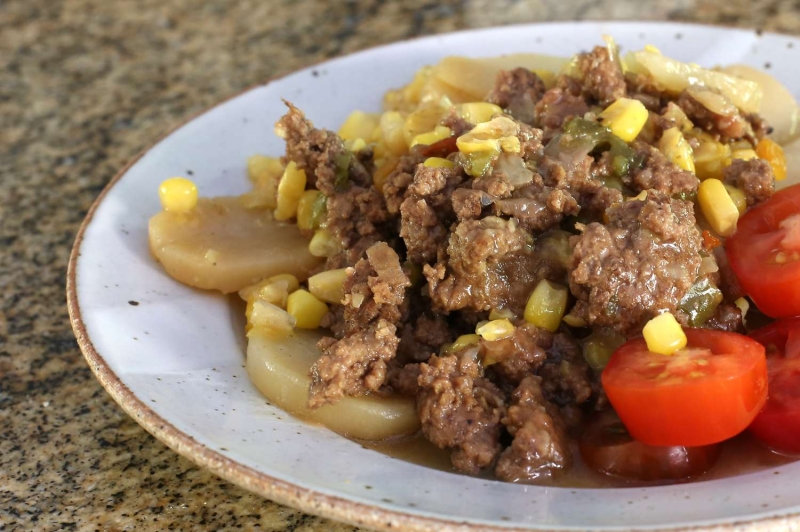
(607, 447)
(765, 253)
(778, 424)
(703, 394)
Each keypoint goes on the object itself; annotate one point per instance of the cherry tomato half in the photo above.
(765, 253)
(607, 447)
(703, 394)
(778, 424)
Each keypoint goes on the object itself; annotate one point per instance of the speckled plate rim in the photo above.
(283, 492)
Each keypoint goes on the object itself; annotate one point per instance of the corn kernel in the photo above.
(675, 148)
(477, 112)
(306, 309)
(771, 151)
(438, 162)
(291, 281)
(262, 169)
(744, 154)
(548, 77)
(492, 136)
(273, 290)
(328, 285)
(382, 172)
(718, 207)
(271, 320)
(290, 190)
(359, 125)
(625, 118)
(744, 306)
(711, 157)
(465, 340)
(391, 125)
(495, 330)
(738, 197)
(323, 244)
(177, 194)
(424, 119)
(664, 335)
(499, 313)
(546, 305)
(574, 321)
(307, 207)
(431, 137)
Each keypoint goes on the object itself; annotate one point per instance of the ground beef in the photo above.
(556, 106)
(539, 448)
(760, 126)
(601, 76)
(355, 213)
(514, 358)
(640, 264)
(517, 91)
(399, 179)
(727, 317)
(354, 365)
(728, 282)
(457, 125)
(725, 126)
(753, 177)
(483, 256)
(644, 89)
(404, 379)
(422, 337)
(468, 203)
(660, 174)
(460, 409)
(565, 373)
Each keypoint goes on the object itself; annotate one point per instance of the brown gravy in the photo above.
(740, 455)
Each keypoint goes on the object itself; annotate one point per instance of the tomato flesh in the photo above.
(701, 395)
(607, 447)
(778, 424)
(765, 253)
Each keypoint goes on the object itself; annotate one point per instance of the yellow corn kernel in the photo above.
(477, 112)
(738, 197)
(771, 151)
(291, 281)
(574, 321)
(438, 162)
(359, 125)
(744, 306)
(290, 190)
(431, 137)
(625, 118)
(328, 285)
(382, 171)
(306, 208)
(546, 305)
(306, 309)
(424, 119)
(711, 157)
(262, 169)
(744, 154)
(477, 163)
(323, 244)
(664, 335)
(391, 125)
(718, 207)
(177, 194)
(270, 319)
(465, 340)
(492, 136)
(675, 148)
(499, 313)
(273, 290)
(495, 329)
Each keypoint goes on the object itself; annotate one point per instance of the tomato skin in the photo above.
(607, 447)
(778, 423)
(774, 287)
(691, 400)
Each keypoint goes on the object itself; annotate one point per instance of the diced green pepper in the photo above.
(701, 301)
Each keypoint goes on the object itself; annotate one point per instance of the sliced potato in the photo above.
(221, 245)
(778, 106)
(476, 77)
(279, 369)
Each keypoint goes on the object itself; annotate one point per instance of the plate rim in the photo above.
(283, 492)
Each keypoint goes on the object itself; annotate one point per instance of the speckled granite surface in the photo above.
(84, 86)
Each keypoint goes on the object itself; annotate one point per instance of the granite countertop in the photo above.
(84, 86)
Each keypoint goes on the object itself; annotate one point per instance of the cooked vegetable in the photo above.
(607, 447)
(438, 162)
(495, 329)
(221, 245)
(431, 137)
(773, 154)
(675, 148)
(279, 369)
(306, 309)
(323, 244)
(478, 112)
(311, 209)
(547, 305)
(581, 137)
(328, 285)
(270, 320)
(718, 207)
(625, 118)
(359, 125)
(290, 190)
(765, 253)
(701, 301)
(663, 334)
(700, 395)
(178, 194)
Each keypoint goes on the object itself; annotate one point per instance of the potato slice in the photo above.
(476, 77)
(221, 245)
(778, 106)
(279, 369)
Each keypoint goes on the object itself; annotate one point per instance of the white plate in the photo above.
(174, 361)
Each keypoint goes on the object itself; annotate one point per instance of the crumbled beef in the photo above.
(468, 203)
(460, 409)
(556, 106)
(496, 184)
(517, 91)
(539, 449)
(404, 379)
(566, 375)
(660, 174)
(355, 213)
(644, 89)
(761, 127)
(601, 76)
(538, 208)
(399, 179)
(728, 282)
(457, 125)
(519, 355)
(753, 177)
(729, 126)
(727, 317)
(482, 257)
(354, 365)
(639, 264)
(424, 336)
